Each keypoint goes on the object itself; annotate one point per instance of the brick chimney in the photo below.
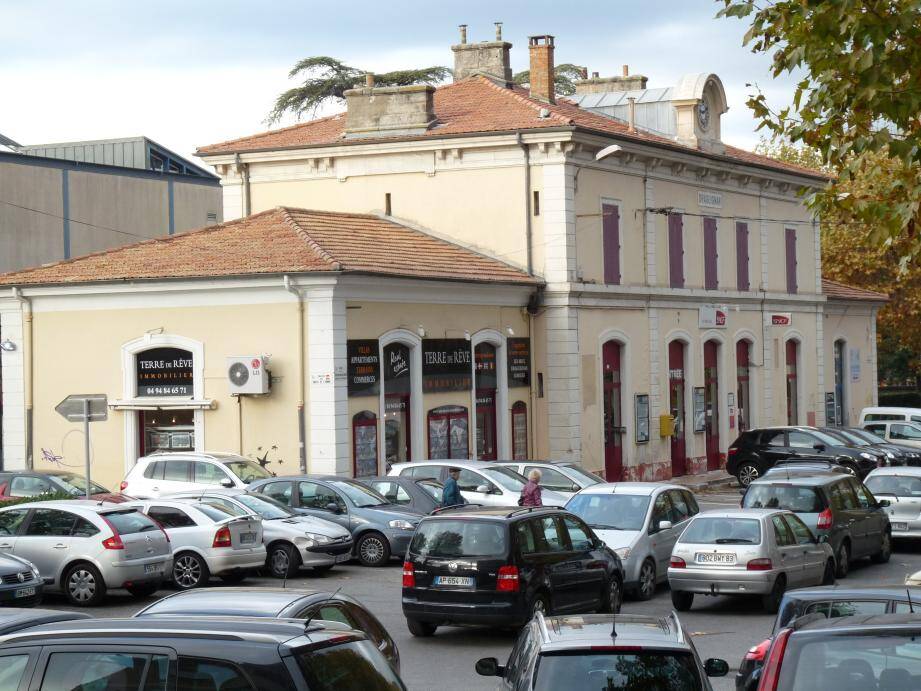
(541, 52)
(489, 58)
(388, 111)
(625, 82)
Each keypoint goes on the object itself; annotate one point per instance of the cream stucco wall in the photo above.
(851, 324)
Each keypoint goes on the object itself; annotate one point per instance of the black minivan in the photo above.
(497, 566)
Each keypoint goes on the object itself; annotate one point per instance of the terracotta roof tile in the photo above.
(282, 240)
(839, 291)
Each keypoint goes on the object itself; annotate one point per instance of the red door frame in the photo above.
(743, 377)
(612, 378)
(712, 403)
(676, 400)
(792, 348)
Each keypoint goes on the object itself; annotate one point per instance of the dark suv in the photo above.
(498, 566)
(756, 450)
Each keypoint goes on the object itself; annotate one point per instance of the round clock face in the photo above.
(239, 373)
(703, 114)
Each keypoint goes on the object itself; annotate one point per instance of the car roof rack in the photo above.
(440, 509)
(527, 509)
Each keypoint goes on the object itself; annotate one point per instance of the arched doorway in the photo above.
(397, 403)
(676, 405)
(743, 384)
(792, 356)
(613, 411)
(712, 403)
(840, 384)
(484, 363)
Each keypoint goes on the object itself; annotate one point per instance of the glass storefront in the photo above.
(448, 432)
(166, 430)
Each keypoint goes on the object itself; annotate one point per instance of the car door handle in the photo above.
(5, 545)
(155, 489)
(60, 546)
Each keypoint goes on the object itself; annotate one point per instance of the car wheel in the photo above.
(747, 473)
(843, 560)
(423, 629)
(885, 550)
(647, 585)
(541, 604)
(373, 549)
(83, 585)
(190, 571)
(143, 590)
(237, 577)
(612, 597)
(828, 577)
(682, 600)
(283, 560)
(771, 601)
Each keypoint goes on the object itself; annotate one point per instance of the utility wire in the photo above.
(74, 220)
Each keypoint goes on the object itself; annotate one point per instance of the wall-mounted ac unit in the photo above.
(247, 374)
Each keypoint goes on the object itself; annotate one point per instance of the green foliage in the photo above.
(900, 399)
(47, 496)
(328, 78)
(857, 104)
(564, 78)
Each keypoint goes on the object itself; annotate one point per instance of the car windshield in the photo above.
(247, 471)
(826, 439)
(851, 437)
(789, 497)
(459, 538)
(611, 511)
(613, 669)
(714, 530)
(360, 495)
(348, 666)
(266, 507)
(897, 485)
(587, 477)
(508, 479)
(868, 435)
(434, 489)
(76, 484)
(854, 661)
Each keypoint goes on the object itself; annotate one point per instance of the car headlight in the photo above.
(35, 571)
(400, 524)
(623, 552)
(311, 540)
(865, 455)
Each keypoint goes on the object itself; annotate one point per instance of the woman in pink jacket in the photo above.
(530, 493)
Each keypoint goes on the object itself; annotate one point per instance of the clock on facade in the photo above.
(703, 114)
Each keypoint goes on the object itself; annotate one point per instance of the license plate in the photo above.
(153, 568)
(25, 592)
(715, 558)
(900, 526)
(247, 538)
(464, 581)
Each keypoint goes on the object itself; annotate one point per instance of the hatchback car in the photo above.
(641, 522)
(480, 482)
(85, 549)
(166, 473)
(193, 653)
(278, 603)
(20, 582)
(207, 540)
(32, 483)
(836, 506)
(902, 488)
(902, 433)
(747, 552)
(603, 651)
(291, 541)
(422, 496)
(498, 566)
(559, 476)
(902, 453)
(379, 529)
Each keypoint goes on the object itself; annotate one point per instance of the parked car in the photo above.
(161, 474)
(422, 496)
(20, 582)
(603, 651)
(851, 441)
(902, 433)
(801, 466)
(498, 566)
(379, 529)
(756, 450)
(901, 487)
(880, 651)
(641, 522)
(877, 413)
(481, 482)
(278, 603)
(747, 552)
(32, 483)
(560, 476)
(840, 507)
(207, 540)
(85, 549)
(831, 602)
(185, 653)
(291, 541)
(904, 454)
(13, 619)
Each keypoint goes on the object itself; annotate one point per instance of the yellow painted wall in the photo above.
(852, 326)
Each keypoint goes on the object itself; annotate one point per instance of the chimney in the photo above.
(388, 111)
(599, 85)
(631, 117)
(488, 58)
(542, 75)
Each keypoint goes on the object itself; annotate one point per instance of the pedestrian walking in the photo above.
(451, 495)
(530, 493)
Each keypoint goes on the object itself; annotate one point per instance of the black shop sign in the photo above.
(164, 372)
(364, 367)
(519, 361)
(446, 364)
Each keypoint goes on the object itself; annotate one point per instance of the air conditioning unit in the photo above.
(247, 374)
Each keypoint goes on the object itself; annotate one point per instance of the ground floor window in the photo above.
(364, 443)
(396, 428)
(448, 432)
(166, 430)
(519, 431)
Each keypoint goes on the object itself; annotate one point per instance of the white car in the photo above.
(902, 433)
(207, 540)
(901, 485)
(564, 477)
(481, 482)
(166, 473)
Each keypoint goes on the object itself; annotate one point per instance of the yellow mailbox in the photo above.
(666, 426)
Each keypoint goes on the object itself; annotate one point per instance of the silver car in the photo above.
(641, 522)
(207, 540)
(901, 485)
(747, 552)
(291, 541)
(86, 548)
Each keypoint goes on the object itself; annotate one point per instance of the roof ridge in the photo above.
(853, 287)
(526, 100)
(302, 233)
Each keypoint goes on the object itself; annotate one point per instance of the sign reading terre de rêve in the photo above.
(446, 364)
(164, 372)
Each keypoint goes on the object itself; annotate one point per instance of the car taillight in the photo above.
(771, 674)
(222, 537)
(507, 580)
(824, 521)
(123, 486)
(764, 564)
(758, 652)
(732, 452)
(409, 575)
(114, 542)
(677, 563)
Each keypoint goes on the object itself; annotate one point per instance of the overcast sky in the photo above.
(195, 72)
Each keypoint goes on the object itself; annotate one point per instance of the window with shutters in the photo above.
(742, 279)
(610, 228)
(711, 257)
(676, 251)
(790, 240)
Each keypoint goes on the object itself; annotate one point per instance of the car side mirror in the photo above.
(227, 482)
(664, 525)
(334, 507)
(490, 667)
(482, 489)
(715, 667)
(883, 503)
(819, 447)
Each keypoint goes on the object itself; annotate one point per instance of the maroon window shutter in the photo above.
(676, 251)
(790, 238)
(742, 280)
(610, 227)
(711, 279)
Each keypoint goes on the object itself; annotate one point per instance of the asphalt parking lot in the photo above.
(722, 627)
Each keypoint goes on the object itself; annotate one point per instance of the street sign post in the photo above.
(85, 408)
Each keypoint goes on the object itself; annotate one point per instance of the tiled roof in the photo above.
(480, 105)
(282, 240)
(838, 291)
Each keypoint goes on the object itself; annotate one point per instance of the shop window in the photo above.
(167, 430)
(364, 443)
(397, 402)
(448, 432)
(519, 431)
(484, 357)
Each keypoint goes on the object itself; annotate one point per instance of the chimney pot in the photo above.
(369, 80)
(631, 123)
(626, 70)
(542, 73)
(498, 31)
(463, 33)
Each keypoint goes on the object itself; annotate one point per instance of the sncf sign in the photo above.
(781, 319)
(711, 317)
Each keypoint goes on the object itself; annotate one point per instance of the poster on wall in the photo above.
(855, 364)
(364, 367)
(366, 450)
(164, 372)
(519, 361)
(438, 438)
(641, 407)
(446, 364)
(700, 412)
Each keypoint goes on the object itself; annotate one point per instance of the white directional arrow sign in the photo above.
(85, 408)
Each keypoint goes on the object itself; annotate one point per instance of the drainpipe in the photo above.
(301, 425)
(27, 356)
(527, 203)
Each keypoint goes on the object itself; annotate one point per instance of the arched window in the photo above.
(448, 432)
(519, 431)
(364, 443)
